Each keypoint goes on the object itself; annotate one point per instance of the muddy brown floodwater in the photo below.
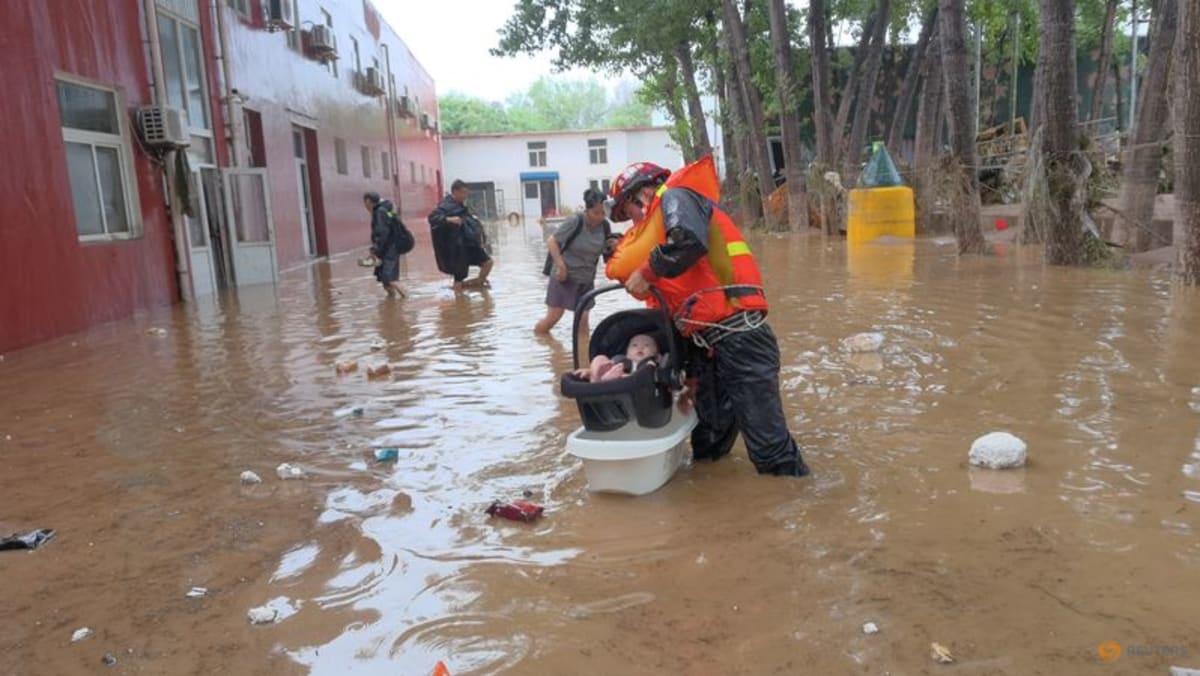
(130, 444)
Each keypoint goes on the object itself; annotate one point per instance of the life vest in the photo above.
(722, 283)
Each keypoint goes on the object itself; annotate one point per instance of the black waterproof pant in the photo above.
(738, 391)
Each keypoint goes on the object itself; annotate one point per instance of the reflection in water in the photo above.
(721, 571)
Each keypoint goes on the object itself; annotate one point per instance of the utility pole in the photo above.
(1016, 73)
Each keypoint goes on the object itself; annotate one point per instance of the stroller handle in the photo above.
(583, 301)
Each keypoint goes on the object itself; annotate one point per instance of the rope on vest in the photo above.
(712, 333)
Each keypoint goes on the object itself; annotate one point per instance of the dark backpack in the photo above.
(401, 237)
(549, 264)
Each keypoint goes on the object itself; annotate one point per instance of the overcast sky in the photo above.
(451, 39)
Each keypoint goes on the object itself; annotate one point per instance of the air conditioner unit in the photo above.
(278, 14)
(163, 127)
(373, 81)
(405, 106)
(425, 121)
(320, 42)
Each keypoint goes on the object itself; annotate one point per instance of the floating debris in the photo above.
(998, 450)
(347, 366)
(286, 471)
(940, 653)
(250, 478)
(262, 615)
(81, 634)
(197, 592)
(870, 628)
(517, 510)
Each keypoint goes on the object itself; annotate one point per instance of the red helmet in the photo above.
(627, 183)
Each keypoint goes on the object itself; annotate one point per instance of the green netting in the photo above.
(880, 171)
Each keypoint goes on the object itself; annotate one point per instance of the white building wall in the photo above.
(501, 159)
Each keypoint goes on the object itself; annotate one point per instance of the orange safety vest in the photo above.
(722, 283)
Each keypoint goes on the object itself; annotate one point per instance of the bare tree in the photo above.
(788, 119)
(1187, 140)
(1143, 156)
(1060, 142)
(908, 89)
(1106, 42)
(822, 96)
(848, 91)
(865, 98)
(929, 132)
(696, 118)
(953, 24)
(735, 32)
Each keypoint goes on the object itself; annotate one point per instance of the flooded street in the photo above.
(130, 444)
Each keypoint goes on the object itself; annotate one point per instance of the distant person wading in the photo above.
(459, 241)
(575, 250)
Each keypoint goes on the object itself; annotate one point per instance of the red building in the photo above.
(285, 111)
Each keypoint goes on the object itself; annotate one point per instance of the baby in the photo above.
(642, 349)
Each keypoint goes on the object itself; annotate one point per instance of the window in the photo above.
(293, 36)
(598, 150)
(331, 64)
(424, 180)
(412, 168)
(366, 162)
(357, 59)
(537, 153)
(240, 6)
(385, 165)
(531, 190)
(182, 70)
(339, 151)
(601, 184)
(99, 165)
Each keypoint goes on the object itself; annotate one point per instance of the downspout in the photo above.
(149, 27)
(220, 49)
(391, 127)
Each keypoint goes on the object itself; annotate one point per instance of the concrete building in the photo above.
(163, 150)
(539, 174)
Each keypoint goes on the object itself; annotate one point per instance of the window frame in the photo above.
(341, 161)
(538, 152)
(240, 7)
(122, 143)
(366, 161)
(601, 184)
(206, 132)
(597, 151)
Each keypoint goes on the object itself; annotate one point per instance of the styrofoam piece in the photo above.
(633, 460)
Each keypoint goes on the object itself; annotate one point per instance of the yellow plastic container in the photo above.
(880, 212)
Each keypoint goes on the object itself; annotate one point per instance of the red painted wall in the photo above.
(50, 283)
(289, 88)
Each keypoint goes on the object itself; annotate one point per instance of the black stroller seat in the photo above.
(646, 395)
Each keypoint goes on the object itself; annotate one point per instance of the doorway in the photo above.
(541, 199)
(304, 187)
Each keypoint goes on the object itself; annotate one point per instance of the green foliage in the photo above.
(548, 105)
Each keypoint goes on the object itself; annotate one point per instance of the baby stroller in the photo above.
(633, 437)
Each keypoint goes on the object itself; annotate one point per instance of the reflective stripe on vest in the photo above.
(737, 249)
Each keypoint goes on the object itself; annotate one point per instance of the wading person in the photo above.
(575, 250)
(691, 250)
(458, 239)
(389, 240)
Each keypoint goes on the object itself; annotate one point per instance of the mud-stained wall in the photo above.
(288, 87)
(51, 283)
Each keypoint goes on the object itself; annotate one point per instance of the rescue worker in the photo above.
(713, 290)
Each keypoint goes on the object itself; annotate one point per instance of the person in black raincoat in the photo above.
(389, 240)
(459, 241)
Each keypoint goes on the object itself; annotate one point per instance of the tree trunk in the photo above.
(953, 22)
(728, 147)
(751, 209)
(1060, 142)
(736, 34)
(843, 112)
(1143, 156)
(865, 99)
(696, 118)
(822, 82)
(1106, 40)
(681, 134)
(929, 134)
(788, 120)
(908, 90)
(1187, 142)
(1118, 87)
(1037, 106)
